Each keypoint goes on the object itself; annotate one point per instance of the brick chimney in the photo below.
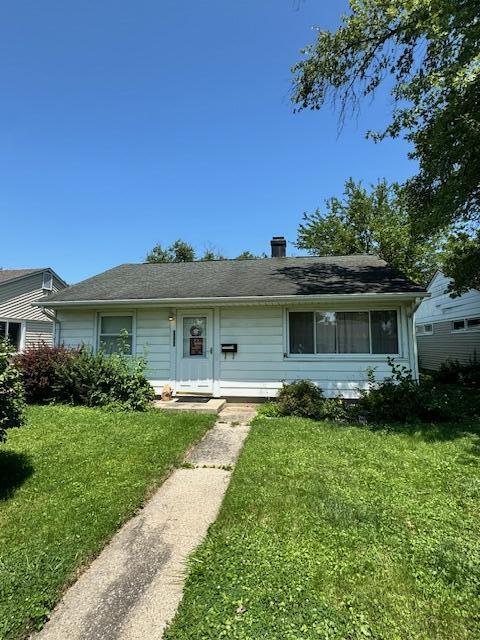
(279, 247)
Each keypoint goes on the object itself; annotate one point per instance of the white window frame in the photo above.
(465, 328)
(344, 356)
(22, 324)
(47, 274)
(118, 314)
(424, 332)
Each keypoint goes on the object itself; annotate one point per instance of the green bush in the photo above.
(80, 377)
(401, 398)
(39, 366)
(114, 381)
(454, 372)
(304, 399)
(12, 398)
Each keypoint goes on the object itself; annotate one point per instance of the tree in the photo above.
(212, 253)
(246, 255)
(429, 49)
(370, 222)
(461, 261)
(209, 255)
(179, 251)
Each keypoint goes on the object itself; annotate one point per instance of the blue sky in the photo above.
(124, 124)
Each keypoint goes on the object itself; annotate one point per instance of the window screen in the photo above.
(301, 332)
(384, 331)
(47, 283)
(116, 334)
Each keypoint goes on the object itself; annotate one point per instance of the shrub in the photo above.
(401, 398)
(304, 399)
(39, 366)
(12, 399)
(453, 372)
(80, 377)
(268, 410)
(114, 381)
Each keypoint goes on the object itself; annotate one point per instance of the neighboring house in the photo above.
(24, 324)
(241, 327)
(447, 328)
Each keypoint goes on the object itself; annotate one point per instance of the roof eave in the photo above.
(400, 295)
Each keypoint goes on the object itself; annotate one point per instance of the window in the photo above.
(195, 337)
(315, 332)
(473, 323)
(11, 331)
(384, 331)
(301, 332)
(47, 284)
(424, 329)
(116, 333)
(469, 324)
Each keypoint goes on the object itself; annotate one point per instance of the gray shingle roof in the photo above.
(241, 278)
(11, 274)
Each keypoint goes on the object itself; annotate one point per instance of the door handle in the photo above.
(211, 349)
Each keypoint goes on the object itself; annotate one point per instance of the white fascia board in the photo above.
(353, 297)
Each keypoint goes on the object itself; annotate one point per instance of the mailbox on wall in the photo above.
(229, 347)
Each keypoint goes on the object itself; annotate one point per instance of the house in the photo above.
(447, 328)
(24, 324)
(241, 327)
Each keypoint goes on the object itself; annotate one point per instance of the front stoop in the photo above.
(214, 405)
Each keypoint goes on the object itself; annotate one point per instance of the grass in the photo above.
(342, 532)
(68, 480)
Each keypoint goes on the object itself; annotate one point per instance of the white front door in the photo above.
(195, 351)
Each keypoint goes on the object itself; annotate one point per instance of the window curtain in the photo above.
(353, 332)
(325, 327)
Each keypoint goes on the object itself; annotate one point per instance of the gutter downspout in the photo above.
(52, 315)
(413, 341)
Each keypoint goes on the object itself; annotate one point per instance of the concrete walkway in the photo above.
(132, 590)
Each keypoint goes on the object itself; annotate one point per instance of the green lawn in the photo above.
(334, 532)
(68, 480)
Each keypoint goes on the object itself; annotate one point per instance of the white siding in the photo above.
(16, 297)
(153, 341)
(152, 337)
(440, 306)
(76, 328)
(37, 332)
(260, 365)
(440, 310)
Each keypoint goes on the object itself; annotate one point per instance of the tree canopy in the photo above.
(178, 251)
(430, 50)
(181, 251)
(374, 221)
(461, 261)
(248, 255)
